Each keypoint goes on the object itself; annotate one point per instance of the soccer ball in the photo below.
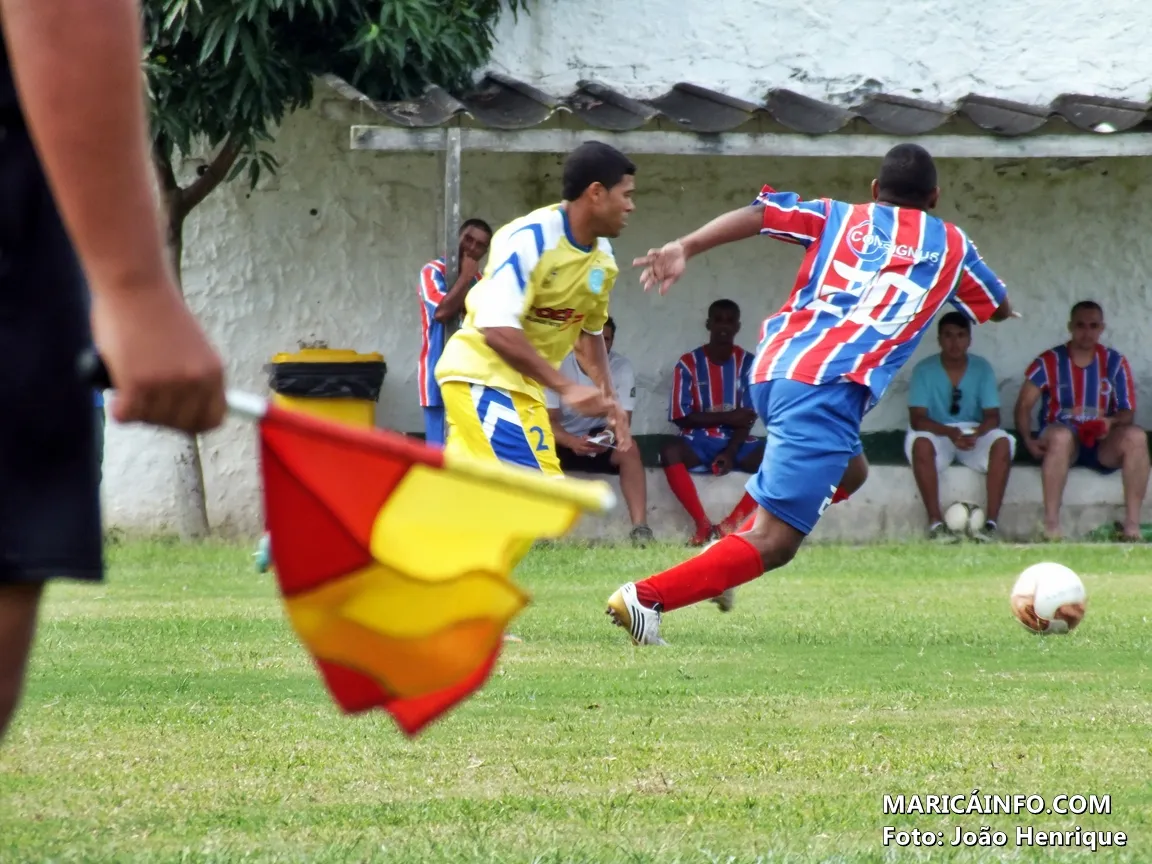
(964, 518)
(1049, 598)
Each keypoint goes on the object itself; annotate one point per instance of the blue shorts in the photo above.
(1089, 457)
(707, 449)
(434, 427)
(813, 432)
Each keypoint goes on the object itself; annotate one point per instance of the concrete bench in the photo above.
(887, 508)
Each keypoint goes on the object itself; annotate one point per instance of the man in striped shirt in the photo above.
(873, 278)
(713, 411)
(440, 307)
(1087, 399)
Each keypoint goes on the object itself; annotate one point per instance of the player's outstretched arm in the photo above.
(664, 266)
(76, 64)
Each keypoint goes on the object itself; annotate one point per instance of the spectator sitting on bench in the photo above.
(711, 406)
(954, 416)
(573, 432)
(1087, 410)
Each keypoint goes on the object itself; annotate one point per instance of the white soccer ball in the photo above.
(1049, 598)
(964, 518)
(956, 517)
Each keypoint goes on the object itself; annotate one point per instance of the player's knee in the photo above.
(776, 545)
(1001, 450)
(672, 453)
(1134, 439)
(924, 452)
(1059, 439)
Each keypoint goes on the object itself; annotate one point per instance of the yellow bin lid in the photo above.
(327, 355)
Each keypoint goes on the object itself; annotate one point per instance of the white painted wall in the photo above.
(1028, 50)
(330, 249)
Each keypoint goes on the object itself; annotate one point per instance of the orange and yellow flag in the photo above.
(395, 563)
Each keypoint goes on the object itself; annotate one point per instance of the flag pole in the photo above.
(592, 496)
(246, 405)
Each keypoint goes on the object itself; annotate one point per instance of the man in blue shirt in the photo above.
(954, 416)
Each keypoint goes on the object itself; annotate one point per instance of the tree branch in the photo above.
(164, 171)
(212, 177)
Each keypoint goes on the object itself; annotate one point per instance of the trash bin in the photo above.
(335, 384)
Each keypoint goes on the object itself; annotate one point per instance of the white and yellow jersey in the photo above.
(541, 281)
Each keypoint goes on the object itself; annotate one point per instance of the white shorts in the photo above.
(947, 452)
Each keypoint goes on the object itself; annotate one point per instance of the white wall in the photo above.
(1027, 50)
(330, 249)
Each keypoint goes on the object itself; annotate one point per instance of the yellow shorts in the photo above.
(498, 425)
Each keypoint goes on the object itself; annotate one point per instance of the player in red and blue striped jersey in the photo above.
(712, 407)
(872, 279)
(440, 306)
(1087, 399)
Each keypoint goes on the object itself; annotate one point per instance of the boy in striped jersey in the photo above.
(873, 278)
(1087, 400)
(711, 407)
(440, 307)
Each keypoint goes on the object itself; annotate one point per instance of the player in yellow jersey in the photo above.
(543, 294)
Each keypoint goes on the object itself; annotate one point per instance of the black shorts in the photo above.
(50, 523)
(601, 463)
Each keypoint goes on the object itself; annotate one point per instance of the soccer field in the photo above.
(172, 716)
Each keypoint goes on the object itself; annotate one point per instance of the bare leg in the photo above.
(999, 464)
(855, 475)
(1062, 447)
(1127, 447)
(927, 478)
(18, 607)
(633, 484)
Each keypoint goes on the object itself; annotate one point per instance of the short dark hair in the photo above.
(594, 162)
(611, 322)
(718, 305)
(1086, 305)
(907, 175)
(956, 319)
(476, 223)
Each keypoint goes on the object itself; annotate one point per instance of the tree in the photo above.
(226, 73)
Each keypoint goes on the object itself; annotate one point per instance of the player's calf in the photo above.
(18, 607)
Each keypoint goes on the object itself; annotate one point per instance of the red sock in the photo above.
(743, 510)
(680, 481)
(728, 563)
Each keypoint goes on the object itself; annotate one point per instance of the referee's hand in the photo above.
(163, 368)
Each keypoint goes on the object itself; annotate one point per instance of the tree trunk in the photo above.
(191, 493)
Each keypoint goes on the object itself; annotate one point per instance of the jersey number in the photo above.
(540, 445)
(497, 412)
(874, 308)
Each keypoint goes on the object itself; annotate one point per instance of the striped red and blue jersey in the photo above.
(699, 385)
(1072, 394)
(433, 333)
(872, 279)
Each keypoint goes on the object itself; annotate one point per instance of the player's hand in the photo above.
(586, 400)
(743, 418)
(581, 446)
(1036, 447)
(662, 267)
(965, 442)
(622, 429)
(165, 371)
(469, 267)
(722, 464)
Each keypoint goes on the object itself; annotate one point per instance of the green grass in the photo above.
(172, 716)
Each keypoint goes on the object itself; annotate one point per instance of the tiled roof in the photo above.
(500, 102)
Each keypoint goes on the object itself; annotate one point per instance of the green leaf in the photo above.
(212, 38)
(248, 49)
(199, 94)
